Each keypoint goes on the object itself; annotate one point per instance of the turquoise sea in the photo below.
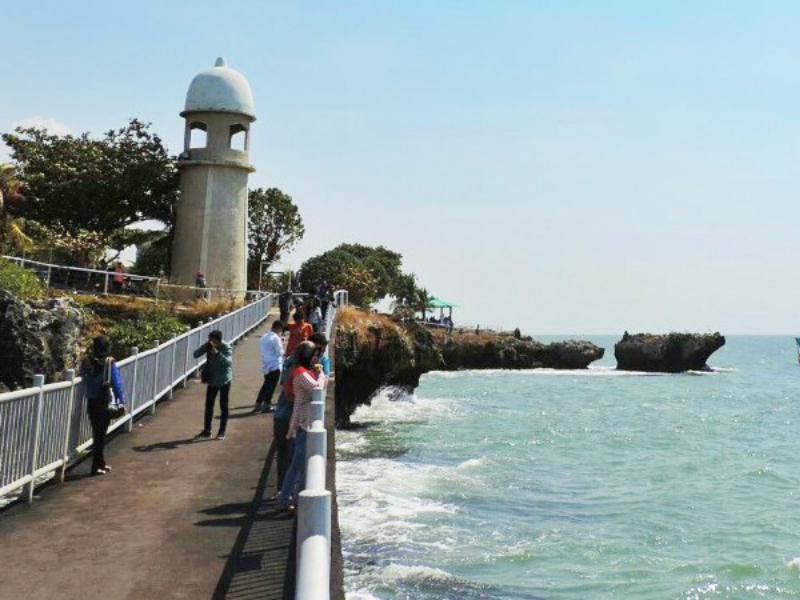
(580, 484)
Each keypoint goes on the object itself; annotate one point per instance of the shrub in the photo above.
(20, 282)
(143, 333)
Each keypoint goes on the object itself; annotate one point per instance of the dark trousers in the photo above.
(99, 420)
(284, 448)
(211, 396)
(268, 388)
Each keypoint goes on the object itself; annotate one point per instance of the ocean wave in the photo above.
(415, 581)
(406, 408)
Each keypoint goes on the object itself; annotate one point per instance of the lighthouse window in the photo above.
(238, 139)
(198, 137)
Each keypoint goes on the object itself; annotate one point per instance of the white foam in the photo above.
(415, 573)
(473, 463)
(385, 407)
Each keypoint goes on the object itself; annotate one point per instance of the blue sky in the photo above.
(564, 167)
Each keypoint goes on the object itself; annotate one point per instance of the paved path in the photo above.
(176, 518)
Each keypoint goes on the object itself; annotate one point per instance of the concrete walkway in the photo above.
(175, 518)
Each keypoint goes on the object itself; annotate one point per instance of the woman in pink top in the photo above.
(306, 377)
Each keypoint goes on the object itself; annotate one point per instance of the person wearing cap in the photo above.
(94, 372)
(219, 365)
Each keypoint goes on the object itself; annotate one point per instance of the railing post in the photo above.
(316, 456)
(70, 376)
(132, 399)
(172, 368)
(105, 286)
(155, 380)
(186, 360)
(33, 448)
(313, 545)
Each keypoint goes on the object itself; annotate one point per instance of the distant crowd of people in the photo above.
(445, 322)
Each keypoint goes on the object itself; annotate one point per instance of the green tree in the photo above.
(78, 185)
(10, 199)
(384, 265)
(368, 274)
(274, 227)
(329, 266)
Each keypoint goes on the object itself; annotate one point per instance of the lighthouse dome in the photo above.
(220, 88)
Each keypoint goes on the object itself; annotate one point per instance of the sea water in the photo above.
(580, 484)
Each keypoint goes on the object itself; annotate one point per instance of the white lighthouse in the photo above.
(211, 225)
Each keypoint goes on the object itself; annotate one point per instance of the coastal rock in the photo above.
(672, 353)
(38, 337)
(570, 354)
(501, 351)
(373, 352)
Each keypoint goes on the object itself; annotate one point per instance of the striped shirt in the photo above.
(304, 384)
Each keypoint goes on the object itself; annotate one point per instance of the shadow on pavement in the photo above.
(261, 563)
(171, 445)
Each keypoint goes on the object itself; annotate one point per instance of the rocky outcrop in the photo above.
(372, 351)
(38, 337)
(672, 353)
(499, 351)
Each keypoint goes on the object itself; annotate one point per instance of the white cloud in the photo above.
(40, 122)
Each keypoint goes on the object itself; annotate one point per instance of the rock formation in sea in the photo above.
(373, 351)
(37, 337)
(671, 353)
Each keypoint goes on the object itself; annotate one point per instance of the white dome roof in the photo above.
(220, 88)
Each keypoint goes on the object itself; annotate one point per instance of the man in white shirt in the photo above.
(271, 363)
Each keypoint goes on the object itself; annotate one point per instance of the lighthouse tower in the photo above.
(211, 226)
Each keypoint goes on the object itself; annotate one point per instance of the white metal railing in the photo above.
(44, 428)
(99, 281)
(314, 502)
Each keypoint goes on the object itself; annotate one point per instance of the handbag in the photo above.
(204, 373)
(115, 408)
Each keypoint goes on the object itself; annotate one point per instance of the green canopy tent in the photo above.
(434, 303)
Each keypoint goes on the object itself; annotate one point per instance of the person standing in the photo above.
(305, 377)
(98, 371)
(202, 285)
(219, 366)
(119, 278)
(284, 303)
(299, 331)
(315, 315)
(271, 350)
